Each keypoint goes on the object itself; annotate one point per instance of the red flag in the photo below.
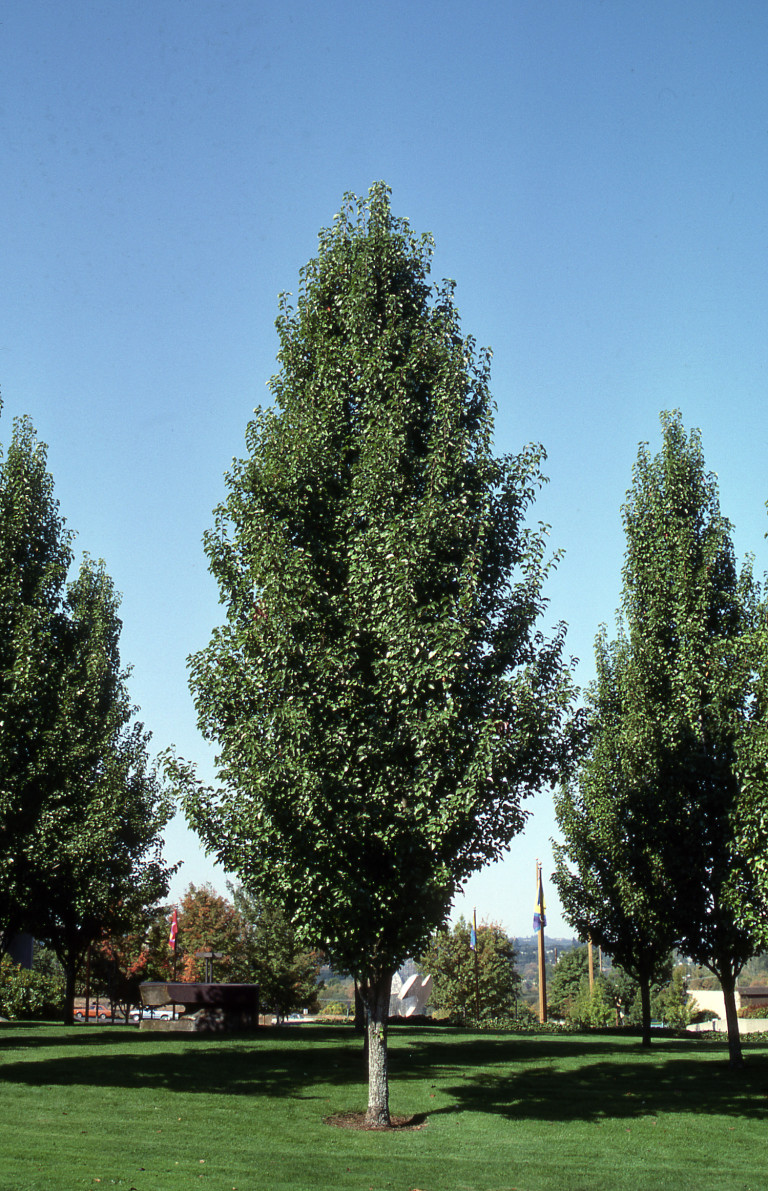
(174, 930)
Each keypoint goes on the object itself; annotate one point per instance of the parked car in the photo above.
(163, 1013)
(96, 1012)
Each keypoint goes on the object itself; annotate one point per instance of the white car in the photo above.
(164, 1013)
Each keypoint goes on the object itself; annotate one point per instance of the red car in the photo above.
(96, 1012)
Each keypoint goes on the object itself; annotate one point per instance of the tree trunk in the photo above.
(377, 993)
(645, 1002)
(735, 1057)
(360, 1014)
(70, 975)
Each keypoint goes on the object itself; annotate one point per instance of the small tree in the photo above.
(209, 922)
(287, 974)
(97, 844)
(563, 987)
(121, 960)
(460, 985)
(379, 695)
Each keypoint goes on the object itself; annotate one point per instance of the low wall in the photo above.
(713, 1000)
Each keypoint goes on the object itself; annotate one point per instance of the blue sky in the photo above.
(594, 175)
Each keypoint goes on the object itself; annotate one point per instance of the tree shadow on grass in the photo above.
(25, 1035)
(269, 1062)
(521, 1078)
(597, 1090)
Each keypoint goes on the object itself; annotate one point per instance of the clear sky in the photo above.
(594, 174)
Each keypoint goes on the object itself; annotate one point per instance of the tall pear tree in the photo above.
(81, 809)
(35, 554)
(677, 771)
(379, 695)
(97, 844)
(607, 860)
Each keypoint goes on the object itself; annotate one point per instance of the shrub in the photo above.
(28, 994)
(334, 1009)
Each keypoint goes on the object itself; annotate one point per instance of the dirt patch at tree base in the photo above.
(358, 1120)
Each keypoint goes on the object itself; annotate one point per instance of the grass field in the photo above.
(103, 1107)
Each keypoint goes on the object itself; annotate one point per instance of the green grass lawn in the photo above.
(104, 1107)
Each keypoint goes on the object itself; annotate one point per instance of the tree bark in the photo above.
(70, 975)
(376, 993)
(735, 1057)
(645, 1002)
(360, 1014)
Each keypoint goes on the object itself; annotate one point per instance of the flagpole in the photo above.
(172, 941)
(477, 973)
(541, 923)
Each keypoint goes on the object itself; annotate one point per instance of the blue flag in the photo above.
(539, 917)
(473, 932)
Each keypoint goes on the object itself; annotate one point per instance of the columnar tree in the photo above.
(379, 695)
(607, 873)
(97, 842)
(81, 810)
(684, 745)
(35, 554)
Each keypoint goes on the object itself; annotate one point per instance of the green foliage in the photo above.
(378, 695)
(98, 843)
(672, 1004)
(666, 813)
(606, 874)
(286, 973)
(593, 1008)
(339, 989)
(81, 809)
(754, 1011)
(34, 557)
(616, 996)
(28, 995)
(461, 982)
(335, 1009)
(564, 985)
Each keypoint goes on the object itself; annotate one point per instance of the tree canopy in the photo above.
(471, 985)
(607, 865)
(379, 694)
(81, 807)
(663, 811)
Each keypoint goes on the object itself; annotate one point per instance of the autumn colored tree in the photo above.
(209, 922)
(122, 960)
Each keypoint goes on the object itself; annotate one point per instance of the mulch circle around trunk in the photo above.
(357, 1120)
